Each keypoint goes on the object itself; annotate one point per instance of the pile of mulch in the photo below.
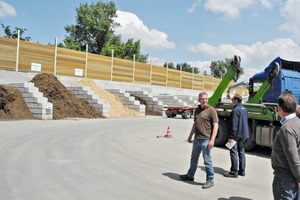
(148, 111)
(12, 105)
(65, 103)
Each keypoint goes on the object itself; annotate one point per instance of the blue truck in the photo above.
(264, 88)
(287, 80)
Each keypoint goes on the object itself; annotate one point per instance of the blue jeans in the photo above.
(198, 147)
(237, 157)
(284, 189)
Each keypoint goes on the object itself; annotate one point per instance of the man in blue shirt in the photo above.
(238, 133)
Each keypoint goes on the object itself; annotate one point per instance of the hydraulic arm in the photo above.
(232, 73)
(257, 98)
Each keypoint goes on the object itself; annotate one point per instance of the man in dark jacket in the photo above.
(238, 133)
(285, 156)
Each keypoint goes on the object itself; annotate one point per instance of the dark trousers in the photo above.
(284, 189)
(237, 156)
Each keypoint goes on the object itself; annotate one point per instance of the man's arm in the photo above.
(211, 142)
(191, 133)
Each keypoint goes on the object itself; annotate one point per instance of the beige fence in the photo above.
(22, 56)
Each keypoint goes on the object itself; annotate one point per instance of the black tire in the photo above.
(222, 135)
(186, 114)
(168, 113)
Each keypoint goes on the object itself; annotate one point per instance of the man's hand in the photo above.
(190, 139)
(211, 144)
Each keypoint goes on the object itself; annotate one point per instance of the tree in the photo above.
(169, 65)
(124, 50)
(219, 68)
(183, 66)
(94, 26)
(14, 33)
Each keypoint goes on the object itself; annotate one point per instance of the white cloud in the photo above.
(201, 65)
(266, 3)
(255, 54)
(254, 57)
(230, 9)
(194, 6)
(291, 13)
(157, 61)
(133, 27)
(6, 9)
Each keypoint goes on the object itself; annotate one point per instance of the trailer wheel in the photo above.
(186, 114)
(222, 134)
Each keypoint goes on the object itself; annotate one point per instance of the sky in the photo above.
(179, 31)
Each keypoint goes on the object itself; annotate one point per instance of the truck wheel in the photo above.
(222, 135)
(169, 113)
(186, 114)
(250, 143)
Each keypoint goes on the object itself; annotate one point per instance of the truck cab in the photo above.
(287, 80)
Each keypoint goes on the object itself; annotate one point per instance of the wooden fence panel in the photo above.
(69, 62)
(76, 63)
(186, 80)
(158, 75)
(208, 83)
(174, 78)
(98, 67)
(8, 52)
(198, 82)
(142, 73)
(42, 55)
(122, 70)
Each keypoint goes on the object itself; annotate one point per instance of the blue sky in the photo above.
(179, 31)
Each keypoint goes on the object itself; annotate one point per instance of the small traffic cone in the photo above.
(168, 135)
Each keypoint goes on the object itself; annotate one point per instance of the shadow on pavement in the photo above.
(175, 177)
(259, 151)
(234, 198)
(217, 170)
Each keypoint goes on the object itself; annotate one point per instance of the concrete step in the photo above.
(39, 105)
(128, 101)
(85, 93)
(151, 101)
(170, 100)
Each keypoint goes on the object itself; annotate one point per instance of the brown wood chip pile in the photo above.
(12, 105)
(117, 109)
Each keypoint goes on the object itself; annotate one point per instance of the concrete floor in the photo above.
(91, 159)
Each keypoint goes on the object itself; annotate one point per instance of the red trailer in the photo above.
(185, 111)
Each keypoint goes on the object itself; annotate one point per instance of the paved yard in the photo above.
(92, 159)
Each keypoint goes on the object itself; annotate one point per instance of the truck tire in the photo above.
(250, 142)
(168, 113)
(186, 114)
(222, 135)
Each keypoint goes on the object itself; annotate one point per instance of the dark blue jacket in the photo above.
(239, 122)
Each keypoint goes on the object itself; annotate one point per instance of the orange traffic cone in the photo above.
(168, 135)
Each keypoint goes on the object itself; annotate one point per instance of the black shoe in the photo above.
(185, 177)
(241, 173)
(231, 175)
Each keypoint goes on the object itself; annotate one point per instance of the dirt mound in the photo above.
(65, 103)
(149, 111)
(117, 109)
(12, 105)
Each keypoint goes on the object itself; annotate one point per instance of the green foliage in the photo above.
(183, 66)
(219, 68)
(14, 33)
(124, 50)
(94, 26)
